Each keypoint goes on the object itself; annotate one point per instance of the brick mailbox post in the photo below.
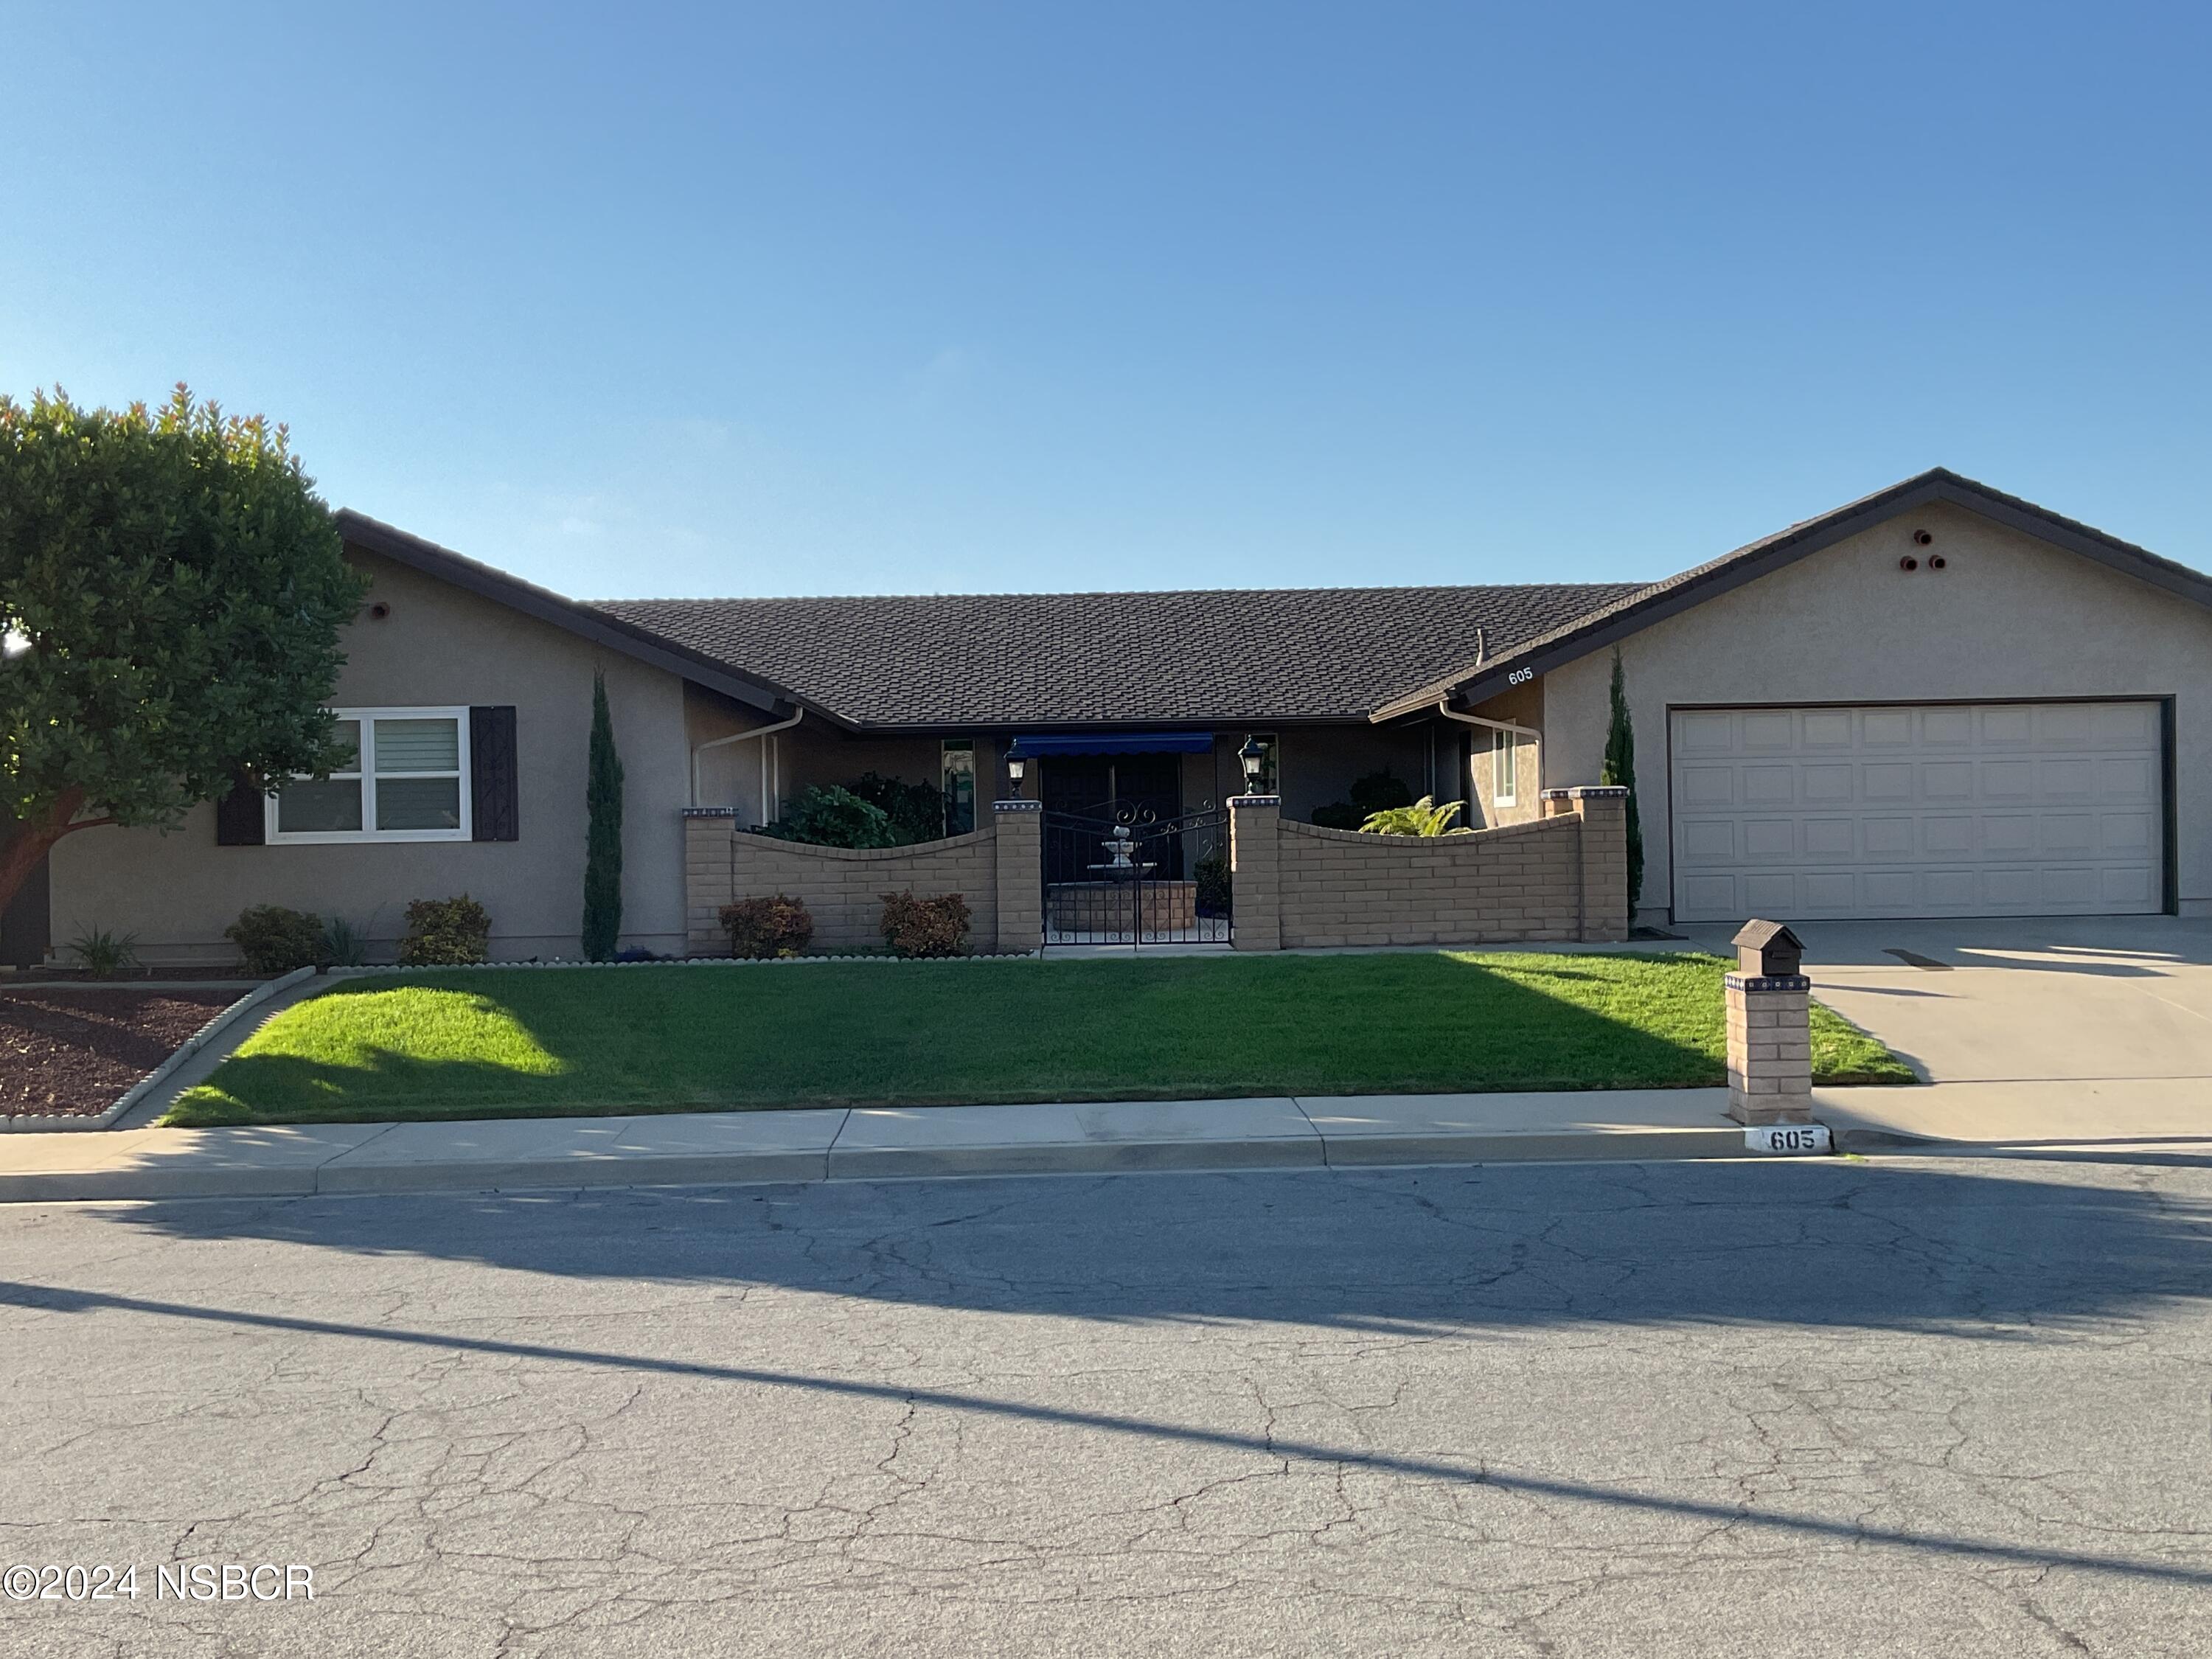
(1770, 1035)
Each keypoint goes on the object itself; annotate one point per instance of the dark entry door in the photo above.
(1130, 790)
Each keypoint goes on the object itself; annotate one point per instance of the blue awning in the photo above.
(1117, 743)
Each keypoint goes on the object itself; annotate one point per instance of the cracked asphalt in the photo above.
(1909, 1406)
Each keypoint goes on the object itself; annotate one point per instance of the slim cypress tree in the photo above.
(602, 839)
(1619, 767)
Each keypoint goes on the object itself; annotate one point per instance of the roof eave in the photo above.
(586, 621)
(1694, 587)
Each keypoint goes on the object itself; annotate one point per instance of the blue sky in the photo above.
(831, 297)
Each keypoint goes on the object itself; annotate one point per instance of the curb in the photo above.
(29, 1124)
(333, 1174)
(1086, 1158)
(1537, 1146)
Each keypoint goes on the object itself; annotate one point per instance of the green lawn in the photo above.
(492, 1043)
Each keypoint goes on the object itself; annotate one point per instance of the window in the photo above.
(957, 779)
(1504, 768)
(1271, 771)
(402, 780)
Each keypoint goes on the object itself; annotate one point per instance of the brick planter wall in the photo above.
(1564, 876)
(842, 887)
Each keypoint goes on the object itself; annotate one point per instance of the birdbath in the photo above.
(1120, 865)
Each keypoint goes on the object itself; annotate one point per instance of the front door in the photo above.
(1129, 790)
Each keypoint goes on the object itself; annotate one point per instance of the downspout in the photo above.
(1444, 708)
(766, 797)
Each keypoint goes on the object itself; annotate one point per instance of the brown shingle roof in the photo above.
(1015, 659)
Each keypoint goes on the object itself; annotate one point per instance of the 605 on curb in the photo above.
(173, 1580)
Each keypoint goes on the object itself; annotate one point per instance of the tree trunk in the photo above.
(28, 840)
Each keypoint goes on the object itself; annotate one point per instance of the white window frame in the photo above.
(1272, 742)
(946, 749)
(366, 760)
(1504, 769)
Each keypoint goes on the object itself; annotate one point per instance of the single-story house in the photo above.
(1936, 701)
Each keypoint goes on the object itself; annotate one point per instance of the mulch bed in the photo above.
(78, 976)
(72, 1053)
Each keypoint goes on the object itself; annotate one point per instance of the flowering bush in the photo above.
(763, 927)
(925, 927)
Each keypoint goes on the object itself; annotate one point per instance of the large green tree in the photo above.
(171, 592)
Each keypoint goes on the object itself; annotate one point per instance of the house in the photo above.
(1937, 701)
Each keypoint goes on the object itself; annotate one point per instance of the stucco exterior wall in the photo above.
(843, 888)
(2009, 617)
(732, 774)
(1524, 705)
(439, 646)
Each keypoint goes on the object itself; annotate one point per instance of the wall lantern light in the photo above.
(1253, 757)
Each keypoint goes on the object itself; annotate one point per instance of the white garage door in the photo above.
(1952, 810)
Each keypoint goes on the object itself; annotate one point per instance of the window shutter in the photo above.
(240, 819)
(496, 811)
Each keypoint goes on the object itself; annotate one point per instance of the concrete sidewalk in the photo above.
(879, 1143)
(866, 1143)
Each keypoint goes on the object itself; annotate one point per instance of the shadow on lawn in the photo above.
(1148, 1028)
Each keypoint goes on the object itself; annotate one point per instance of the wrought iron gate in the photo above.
(1119, 874)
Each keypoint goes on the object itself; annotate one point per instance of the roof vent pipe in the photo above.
(1481, 645)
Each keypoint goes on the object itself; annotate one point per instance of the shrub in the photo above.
(105, 955)
(276, 940)
(603, 831)
(1214, 884)
(833, 817)
(1378, 792)
(1423, 817)
(1619, 767)
(925, 927)
(347, 945)
(873, 811)
(915, 810)
(763, 927)
(450, 933)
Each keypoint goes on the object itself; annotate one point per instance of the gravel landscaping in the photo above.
(73, 1053)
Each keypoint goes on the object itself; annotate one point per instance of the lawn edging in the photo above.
(28, 1123)
(812, 958)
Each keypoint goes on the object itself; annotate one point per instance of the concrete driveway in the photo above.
(2058, 1030)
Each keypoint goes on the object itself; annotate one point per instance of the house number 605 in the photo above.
(1521, 676)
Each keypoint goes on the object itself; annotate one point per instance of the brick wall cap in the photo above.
(802, 850)
(1017, 806)
(1441, 846)
(1256, 800)
(1768, 982)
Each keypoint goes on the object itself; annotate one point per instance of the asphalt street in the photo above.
(1908, 1405)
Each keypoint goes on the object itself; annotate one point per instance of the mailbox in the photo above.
(1768, 949)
